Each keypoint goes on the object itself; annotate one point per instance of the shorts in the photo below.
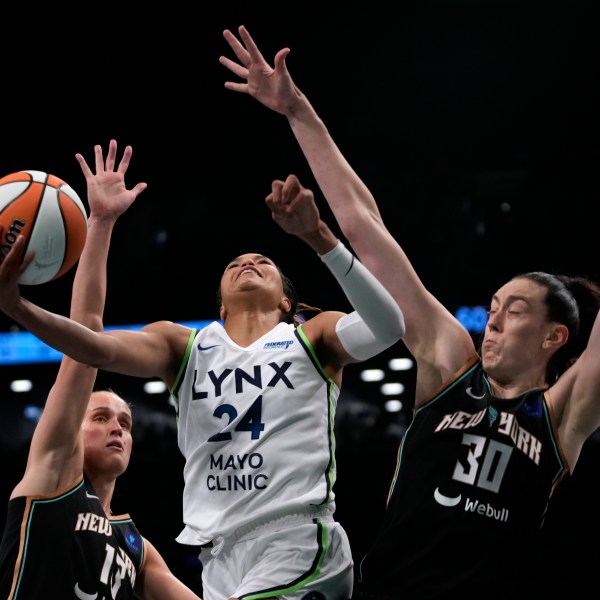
(289, 558)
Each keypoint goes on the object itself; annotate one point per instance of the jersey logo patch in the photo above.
(202, 348)
(133, 540)
(534, 408)
(445, 500)
(283, 345)
(470, 393)
(82, 595)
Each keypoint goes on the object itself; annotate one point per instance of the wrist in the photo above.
(300, 109)
(334, 255)
(18, 311)
(321, 240)
(106, 220)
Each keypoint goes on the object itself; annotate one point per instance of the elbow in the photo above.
(400, 328)
(353, 223)
(393, 334)
(394, 329)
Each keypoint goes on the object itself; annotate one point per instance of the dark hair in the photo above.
(573, 301)
(296, 314)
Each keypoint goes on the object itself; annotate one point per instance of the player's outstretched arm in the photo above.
(377, 321)
(56, 451)
(431, 329)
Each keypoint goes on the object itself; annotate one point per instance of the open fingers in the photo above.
(99, 159)
(235, 68)
(87, 172)
(237, 47)
(13, 264)
(251, 47)
(111, 156)
(125, 160)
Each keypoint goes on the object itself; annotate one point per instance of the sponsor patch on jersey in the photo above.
(133, 540)
(471, 392)
(79, 593)
(283, 345)
(534, 407)
(445, 500)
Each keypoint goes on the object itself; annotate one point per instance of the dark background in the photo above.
(473, 122)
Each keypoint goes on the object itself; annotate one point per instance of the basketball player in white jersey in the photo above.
(256, 399)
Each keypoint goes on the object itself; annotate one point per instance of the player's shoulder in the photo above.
(323, 320)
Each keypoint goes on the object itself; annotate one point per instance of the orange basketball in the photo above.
(51, 216)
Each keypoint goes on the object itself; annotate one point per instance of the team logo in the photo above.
(202, 348)
(445, 500)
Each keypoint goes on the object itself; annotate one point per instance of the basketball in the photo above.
(50, 215)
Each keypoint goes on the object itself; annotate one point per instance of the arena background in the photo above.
(473, 122)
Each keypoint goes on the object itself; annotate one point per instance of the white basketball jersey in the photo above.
(255, 426)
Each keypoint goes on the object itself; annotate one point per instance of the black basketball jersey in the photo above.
(64, 546)
(471, 488)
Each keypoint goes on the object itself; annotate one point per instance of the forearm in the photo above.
(89, 285)
(348, 197)
(380, 321)
(322, 240)
(359, 218)
(58, 332)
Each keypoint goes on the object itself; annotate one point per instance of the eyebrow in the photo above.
(106, 409)
(512, 298)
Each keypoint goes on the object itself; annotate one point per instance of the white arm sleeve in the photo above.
(377, 322)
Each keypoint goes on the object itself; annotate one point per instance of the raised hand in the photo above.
(107, 194)
(294, 209)
(273, 87)
(293, 206)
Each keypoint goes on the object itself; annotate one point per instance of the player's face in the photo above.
(516, 330)
(249, 273)
(107, 434)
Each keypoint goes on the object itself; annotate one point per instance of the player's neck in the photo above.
(247, 327)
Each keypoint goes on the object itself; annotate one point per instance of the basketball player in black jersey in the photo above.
(61, 539)
(495, 429)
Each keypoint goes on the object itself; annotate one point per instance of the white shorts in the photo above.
(308, 560)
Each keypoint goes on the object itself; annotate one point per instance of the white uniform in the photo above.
(255, 426)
